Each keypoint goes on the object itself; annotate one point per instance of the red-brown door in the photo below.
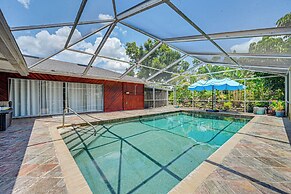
(133, 96)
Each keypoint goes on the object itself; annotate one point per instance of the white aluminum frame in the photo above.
(146, 5)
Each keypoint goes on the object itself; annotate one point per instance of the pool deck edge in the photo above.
(191, 182)
(74, 180)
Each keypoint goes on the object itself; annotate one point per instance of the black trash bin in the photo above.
(5, 119)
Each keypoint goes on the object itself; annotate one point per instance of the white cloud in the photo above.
(25, 3)
(112, 65)
(45, 43)
(99, 33)
(244, 47)
(117, 30)
(121, 30)
(102, 16)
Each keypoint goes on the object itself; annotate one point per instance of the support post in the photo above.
(64, 114)
(154, 97)
(289, 93)
(193, 99)
(286, 94)
(212, 97)
(245, 96)
(64, 103)
(167, 97)
(175, 97)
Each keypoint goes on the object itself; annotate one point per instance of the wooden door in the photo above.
(133, 96)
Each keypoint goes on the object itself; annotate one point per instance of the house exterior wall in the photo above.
(115, 97)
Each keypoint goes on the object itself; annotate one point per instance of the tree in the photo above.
(284, 21)
(273, 45)
(257, 89)
(159, 59)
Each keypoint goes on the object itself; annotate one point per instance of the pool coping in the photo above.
(101, 122)
(74, 179)
(76, 183)
(233, 114)
(195, 178)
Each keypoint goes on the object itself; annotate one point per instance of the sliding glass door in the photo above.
(25, 95)
(85, 97)
(51, 97)
(35, 97)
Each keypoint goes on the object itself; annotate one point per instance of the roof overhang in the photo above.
(85, 76)
(11, 59)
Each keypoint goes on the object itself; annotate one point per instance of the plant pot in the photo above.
(259, 110)
(250, 109)
(271, 112)
(255, 109)
(280, 113)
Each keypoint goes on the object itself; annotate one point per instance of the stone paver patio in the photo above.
(259, 162)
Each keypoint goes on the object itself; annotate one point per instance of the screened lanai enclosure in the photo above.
(160, 43)
(156, 97)
(95, 97)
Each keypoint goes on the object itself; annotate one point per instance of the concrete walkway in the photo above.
(259, 162)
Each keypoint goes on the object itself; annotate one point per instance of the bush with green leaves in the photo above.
(279, 106)
(227, 105)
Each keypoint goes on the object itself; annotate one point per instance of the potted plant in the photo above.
(259, 109)
(271, 108)
(250, 107)
(279, 109)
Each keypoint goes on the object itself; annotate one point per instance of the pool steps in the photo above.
(73, 137)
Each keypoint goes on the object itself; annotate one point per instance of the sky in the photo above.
(211, 16)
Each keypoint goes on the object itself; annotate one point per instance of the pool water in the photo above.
(148, 155)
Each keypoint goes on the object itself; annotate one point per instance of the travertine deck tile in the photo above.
(255, 160)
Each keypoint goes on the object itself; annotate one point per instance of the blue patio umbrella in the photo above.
(216, 84)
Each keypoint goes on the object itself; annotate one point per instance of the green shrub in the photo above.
(273, 104)
(227, 105)
(279, 106)
(261, 104)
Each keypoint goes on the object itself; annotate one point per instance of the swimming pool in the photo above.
(149, 154)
